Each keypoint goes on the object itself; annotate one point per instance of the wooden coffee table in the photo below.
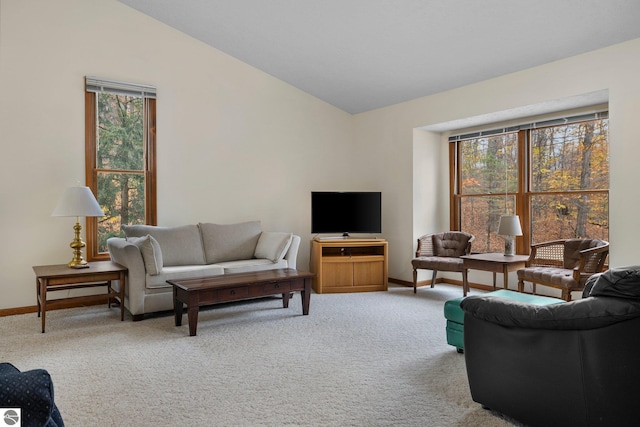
(238, 286)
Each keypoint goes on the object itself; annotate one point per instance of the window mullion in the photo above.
(523, 243)
(454, 177)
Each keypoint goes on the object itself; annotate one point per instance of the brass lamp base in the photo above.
(81, 264)
(77, 244)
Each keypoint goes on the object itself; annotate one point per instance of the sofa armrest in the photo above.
(587, 313)
(292, 254)
(129, 255)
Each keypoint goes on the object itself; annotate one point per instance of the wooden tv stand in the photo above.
(349, 265)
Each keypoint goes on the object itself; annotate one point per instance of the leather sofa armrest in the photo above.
(588, 313)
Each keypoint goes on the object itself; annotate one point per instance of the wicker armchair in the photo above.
(564, 264)
(441, 252)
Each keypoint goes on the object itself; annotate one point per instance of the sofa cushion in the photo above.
(273, 245)
(181, 272)
(247, 265)
(229, 242)
(180, 245)
(151, 253)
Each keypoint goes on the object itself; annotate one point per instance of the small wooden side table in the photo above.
(494, 262)
(50, 278)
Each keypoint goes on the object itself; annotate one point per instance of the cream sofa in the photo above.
(154, 255)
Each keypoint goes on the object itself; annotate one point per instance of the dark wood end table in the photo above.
(494, 262)
(199, 292)
(60, 277)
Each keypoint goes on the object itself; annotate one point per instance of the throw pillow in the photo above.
(273, 245)
(151, 253)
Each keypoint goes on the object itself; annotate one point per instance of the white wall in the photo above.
(614, 68)
(234, 143)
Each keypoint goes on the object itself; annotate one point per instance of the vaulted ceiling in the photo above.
(361, 55)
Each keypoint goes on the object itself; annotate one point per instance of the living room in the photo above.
(236, 144)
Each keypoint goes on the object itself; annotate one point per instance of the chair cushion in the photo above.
(572, 248)
(437, 263)
(450, 244)
(561, 277)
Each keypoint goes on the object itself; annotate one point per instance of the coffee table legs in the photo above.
(178, 306)
(193, 308)
(192, 312)
(306, 296)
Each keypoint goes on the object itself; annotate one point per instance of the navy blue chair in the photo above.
(32, 392)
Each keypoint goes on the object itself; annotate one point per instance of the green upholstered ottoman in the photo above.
(455, 316)
(455, 323)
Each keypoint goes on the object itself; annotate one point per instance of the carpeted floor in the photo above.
(367, 359)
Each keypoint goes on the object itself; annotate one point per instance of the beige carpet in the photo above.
(368, 359)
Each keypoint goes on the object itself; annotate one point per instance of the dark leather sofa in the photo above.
(32, 392)
(571, 364)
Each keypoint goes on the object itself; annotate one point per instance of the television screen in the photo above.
(346, 212)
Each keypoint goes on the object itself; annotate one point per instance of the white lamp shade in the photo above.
(509, 226)
(77, 201)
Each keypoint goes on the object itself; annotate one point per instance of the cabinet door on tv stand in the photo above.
(337, 274)
(370, 273)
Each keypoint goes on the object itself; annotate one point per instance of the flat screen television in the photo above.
(346, 212)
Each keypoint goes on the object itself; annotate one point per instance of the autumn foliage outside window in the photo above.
(556, 178)
(120, 162)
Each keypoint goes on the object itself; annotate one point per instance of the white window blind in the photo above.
(533, 125)
(95, 84)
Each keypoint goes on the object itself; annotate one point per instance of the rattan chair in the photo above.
(564, 264)
(442, 252)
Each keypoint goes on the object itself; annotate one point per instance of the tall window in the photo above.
(554, 175)
(120, 161)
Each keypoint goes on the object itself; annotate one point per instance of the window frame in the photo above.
(91, 170)
(524, 194)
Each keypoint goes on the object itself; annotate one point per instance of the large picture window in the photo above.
(554, 175)
(120, 165)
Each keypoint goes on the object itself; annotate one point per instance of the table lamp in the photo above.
(77, 201)
(509, 227)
